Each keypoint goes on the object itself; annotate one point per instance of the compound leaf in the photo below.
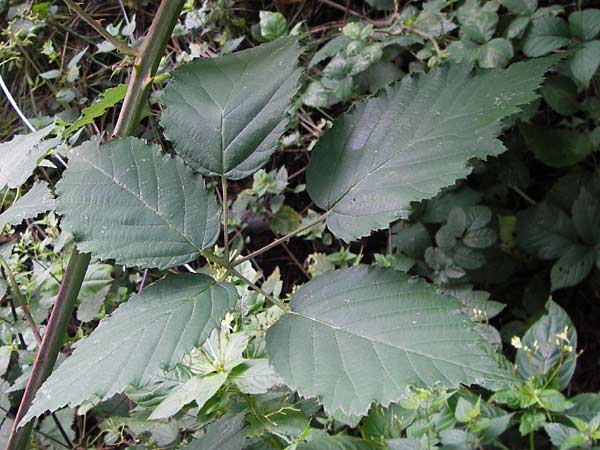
(225, 115)
(415, 138)
(126, 201)
(154, 329)
(362, 335)
(39, 199)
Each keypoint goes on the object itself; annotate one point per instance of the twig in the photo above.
(278, 241)
(120, 46)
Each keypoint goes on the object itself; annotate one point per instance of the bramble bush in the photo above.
(316, 225)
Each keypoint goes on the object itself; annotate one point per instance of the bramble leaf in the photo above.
(126, 201)
(362, 335)
(154, 329)
(225, 115)
(415, 138)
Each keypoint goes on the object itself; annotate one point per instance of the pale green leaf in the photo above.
(154, 329)
(412, 140)
(37, 200)
(19, 157)
(225, 115)
(272, 25)
(227, 433)
(126, 201)
(255, 376)
(362, 335)
(199, 389)
(95, 287)
(544, 361)
(545, 34)
(495, 53)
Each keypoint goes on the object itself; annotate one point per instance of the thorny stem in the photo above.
(120, 46)
(280, 240)
(139, 86)
(22, 302)
(51, 345)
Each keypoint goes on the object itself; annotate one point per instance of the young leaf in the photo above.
(227, 433)
(545, 359)
(19, 157)
(412, 140)
(126, 201)
(107, 99)
(154, 329)
(39, 199)
(199, 389)
(225, 115)
(362, 335)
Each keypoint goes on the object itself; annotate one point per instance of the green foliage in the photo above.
(226, 115)
(408, 330)
(369, 235)
(152, 211)
(420, 135)
(154, 329)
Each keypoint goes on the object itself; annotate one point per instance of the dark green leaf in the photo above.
(411, 141)
(545, 231)
(546, 33)
(225, 115)
(227, 433)
(561, 94)
(584, 63)
(126, 201)
(585, 25)
(151, 331)
(572, 267)
(557, 147)
(349, 348)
